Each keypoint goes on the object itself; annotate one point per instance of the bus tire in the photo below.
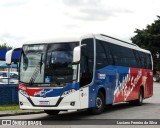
(99, 105)
(139, 101)
(52, 112)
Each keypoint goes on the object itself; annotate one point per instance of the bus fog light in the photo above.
(72, 103)
(21, 103)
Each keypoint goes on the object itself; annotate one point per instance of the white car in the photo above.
(4, 77)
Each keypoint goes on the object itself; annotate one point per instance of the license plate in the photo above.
(43, 102)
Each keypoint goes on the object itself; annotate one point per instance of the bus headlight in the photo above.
(24, 93)
(68, 92)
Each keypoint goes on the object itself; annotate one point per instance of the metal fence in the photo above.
(8, 94)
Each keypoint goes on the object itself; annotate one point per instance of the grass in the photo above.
(14, 108)
(9, 107)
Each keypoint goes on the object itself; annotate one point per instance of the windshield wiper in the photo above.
(36, 71)
(34, 75)
(41, 63)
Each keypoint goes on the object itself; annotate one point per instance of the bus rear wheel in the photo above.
(139, 101)
(99, 105)
(52, 112)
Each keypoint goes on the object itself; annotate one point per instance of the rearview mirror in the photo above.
(9, 57)
(76, 54)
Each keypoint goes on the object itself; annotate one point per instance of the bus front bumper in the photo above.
(70, 102)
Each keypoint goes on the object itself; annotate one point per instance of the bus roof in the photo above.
(116, 41)
(56, 40)
(103, 37)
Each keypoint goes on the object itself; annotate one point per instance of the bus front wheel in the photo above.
(52, 112)
(99, 105)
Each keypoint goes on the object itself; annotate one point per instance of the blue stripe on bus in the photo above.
(58, 91)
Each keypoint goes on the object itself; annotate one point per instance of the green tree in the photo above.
(149, 38)
(5, 46)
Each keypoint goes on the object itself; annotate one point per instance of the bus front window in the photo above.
(32, 64)
(59, 66)
(48, 64)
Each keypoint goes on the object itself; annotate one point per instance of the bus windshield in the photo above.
(48, 63)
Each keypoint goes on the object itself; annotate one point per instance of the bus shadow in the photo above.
(121, 106)
(83, 114)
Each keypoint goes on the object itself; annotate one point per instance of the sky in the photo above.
(27, 20)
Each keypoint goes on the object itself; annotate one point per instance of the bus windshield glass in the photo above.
(48, 63)
(32, 63)
(59, 67)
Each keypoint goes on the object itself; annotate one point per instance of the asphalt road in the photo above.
(149, 110)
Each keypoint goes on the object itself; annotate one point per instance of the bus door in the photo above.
(86, 71)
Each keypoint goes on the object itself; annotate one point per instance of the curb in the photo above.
(19, 113)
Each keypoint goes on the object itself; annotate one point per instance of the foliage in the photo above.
(9, 107)
(5, 46)
(149, 38)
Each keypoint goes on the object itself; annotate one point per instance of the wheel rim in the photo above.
(98, 102)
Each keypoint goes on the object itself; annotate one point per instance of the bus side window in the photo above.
(149, 63)
(103, 54)
(136, 55)
(86, 62)
(142, 59)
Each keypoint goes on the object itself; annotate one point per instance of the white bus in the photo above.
(83, 73)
